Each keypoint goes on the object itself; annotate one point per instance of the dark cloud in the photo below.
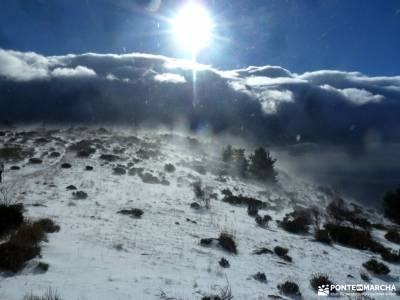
(269, 104)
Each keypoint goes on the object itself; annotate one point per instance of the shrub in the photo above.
(393, 236)
(262, 165)
(35, 160)
(339, 212)
(149, 178)
(242, 200)
(322, 235)
(6, 196)
(49, 295)
(133, 212)
(289, 288)
(71, 188)
(119, 171)
(352, 237)
(296, 222)
(169, 168)
(320, 279)
(55, 154)
(225, 293)
(262, 251)
(364, 276)
(195, 205)
(226, 192)
(389, 255)
(376, 267)
(28, 234)
(379, 226)
(391, 205)
(260, 277)
(42, 267)
(252, 210)
(14, 153)
(203, 194)
(227, 242)
(282, 253)
(83, 148)
(109, 157)
(48, 225)
(206, 241)
(80, 195)
(66, 166)
(263, 221)
(223, 262)
(11, 217)
(23, 244)
(198, 190)
(14, 256)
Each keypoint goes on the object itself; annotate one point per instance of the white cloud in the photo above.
(111, 77)
(23, 66)
(356, 96)
(271, 99)
(79, 71)
(265, 71)
(265, 81)
(170, 77)
(266, 101)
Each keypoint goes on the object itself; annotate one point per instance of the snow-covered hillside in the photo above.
(102, 254)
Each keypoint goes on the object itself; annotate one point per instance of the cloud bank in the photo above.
(268, 103)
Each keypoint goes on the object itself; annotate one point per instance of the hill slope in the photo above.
(100, 253)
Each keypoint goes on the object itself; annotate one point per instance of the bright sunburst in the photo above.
(192, 27)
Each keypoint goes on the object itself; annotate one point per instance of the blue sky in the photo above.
(357, 35)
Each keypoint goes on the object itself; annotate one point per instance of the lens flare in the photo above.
(192, 27)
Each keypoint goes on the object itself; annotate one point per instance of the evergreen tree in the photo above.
(391, 205)
(227, 154)
(262, 165)
(240, 162)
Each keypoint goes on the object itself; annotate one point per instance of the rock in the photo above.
(88, 168)
(71, 188)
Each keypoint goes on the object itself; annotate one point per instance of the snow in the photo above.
(102, 255)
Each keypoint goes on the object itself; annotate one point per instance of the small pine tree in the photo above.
(262, 165)
(241, 163)
(391, 205)
(227, 154)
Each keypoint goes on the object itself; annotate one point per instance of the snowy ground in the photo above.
(100, 254)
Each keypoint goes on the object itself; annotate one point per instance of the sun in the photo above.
(192, 27)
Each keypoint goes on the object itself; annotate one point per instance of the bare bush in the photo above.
(6, 191)
(49, 295)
